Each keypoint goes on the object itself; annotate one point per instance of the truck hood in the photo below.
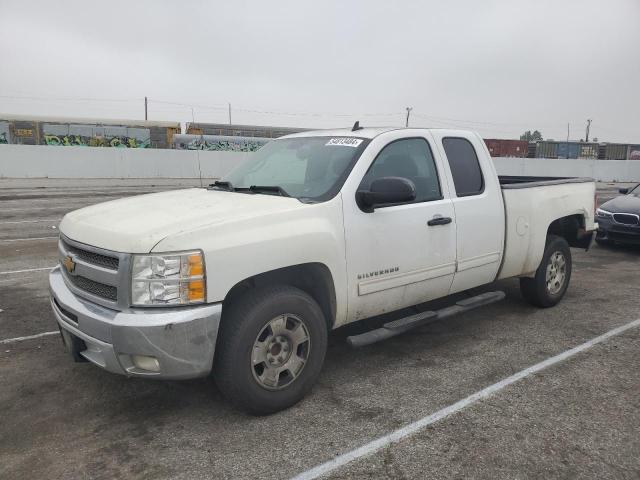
(136, 224)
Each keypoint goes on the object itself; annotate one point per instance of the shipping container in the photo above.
(218, 143)
(567, 149)
(86, 132)
(588, 150)
(633, 152)
(229, 130)
(507, 148)
(547, 149)
(612, 151)
(553, 149)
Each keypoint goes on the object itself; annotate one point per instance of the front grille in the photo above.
(626, 218)
(98, 289)
(93, 258)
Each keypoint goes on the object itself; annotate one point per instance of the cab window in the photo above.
(465, 167)
(409, 158)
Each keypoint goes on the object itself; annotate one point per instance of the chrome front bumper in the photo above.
(181, 339)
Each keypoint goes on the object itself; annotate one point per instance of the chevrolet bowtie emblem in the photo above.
(69, 264)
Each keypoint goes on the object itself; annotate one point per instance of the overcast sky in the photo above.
(496, 66)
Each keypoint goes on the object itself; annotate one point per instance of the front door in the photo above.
(402, 254)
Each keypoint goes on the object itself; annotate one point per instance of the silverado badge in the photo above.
(69, 264)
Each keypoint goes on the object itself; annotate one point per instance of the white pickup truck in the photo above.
(244, 279)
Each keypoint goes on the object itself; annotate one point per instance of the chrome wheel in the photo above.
(280, 352)
(556, 273)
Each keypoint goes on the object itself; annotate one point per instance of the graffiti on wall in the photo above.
(4, 132)
(218, 143)
(94, 136)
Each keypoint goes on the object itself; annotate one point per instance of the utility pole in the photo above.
(588, 128)
(408, 112)
(229, 103)
(145, 109)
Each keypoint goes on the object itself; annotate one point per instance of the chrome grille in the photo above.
(626, 218)
(100, 275)
(92, 257)
(98, 289)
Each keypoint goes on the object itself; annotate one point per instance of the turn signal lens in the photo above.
(196, 267)
(196, 291)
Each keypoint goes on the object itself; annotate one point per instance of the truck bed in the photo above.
(530, 205)
(515, 181)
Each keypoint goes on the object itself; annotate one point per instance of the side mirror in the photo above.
(624, 191)
(384, 191)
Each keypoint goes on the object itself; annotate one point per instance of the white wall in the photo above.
(602, 170)
(24, 161)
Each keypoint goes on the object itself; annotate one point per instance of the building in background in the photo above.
(19, 130)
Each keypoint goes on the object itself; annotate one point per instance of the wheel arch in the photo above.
(313, 278)
(572, 228)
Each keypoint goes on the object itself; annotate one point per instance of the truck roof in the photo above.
(368, 132)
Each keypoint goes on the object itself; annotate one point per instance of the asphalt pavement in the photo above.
(578, 418)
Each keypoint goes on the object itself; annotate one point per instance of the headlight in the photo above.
(603, 213)
(168, 279)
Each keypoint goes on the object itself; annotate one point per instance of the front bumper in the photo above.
(181, 339)
(612, 231)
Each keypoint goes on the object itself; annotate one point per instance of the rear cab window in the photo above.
(464, 165)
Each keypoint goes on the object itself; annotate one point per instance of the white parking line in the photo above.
(54, 220)
(26, 239)
(418, 425)
(30, 337)
(9, 272)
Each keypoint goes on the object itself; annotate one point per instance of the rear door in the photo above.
(395, 258)
(478, 205)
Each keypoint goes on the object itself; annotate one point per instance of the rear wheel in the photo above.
(271, 349)
(552, 277)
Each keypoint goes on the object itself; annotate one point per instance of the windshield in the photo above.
(307, 168)
(636, 191)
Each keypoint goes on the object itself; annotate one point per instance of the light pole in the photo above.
(408, 113)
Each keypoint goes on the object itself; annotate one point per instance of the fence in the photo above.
(37, 161)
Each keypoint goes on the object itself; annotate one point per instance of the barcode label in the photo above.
(345, 142)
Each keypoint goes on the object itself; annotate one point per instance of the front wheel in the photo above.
(271, 349)
(552, 277)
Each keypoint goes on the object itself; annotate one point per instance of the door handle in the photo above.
(439, 221)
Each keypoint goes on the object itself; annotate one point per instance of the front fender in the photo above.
(237, 250)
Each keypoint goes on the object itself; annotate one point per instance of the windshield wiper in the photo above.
(223, 186)
(269, 189)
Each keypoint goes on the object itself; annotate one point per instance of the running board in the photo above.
(396, 327)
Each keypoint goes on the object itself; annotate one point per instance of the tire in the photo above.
(261, 333)
(546, 291)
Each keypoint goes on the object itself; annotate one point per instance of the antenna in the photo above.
(356, 126)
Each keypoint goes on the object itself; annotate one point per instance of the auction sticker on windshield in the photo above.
(345, 142)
